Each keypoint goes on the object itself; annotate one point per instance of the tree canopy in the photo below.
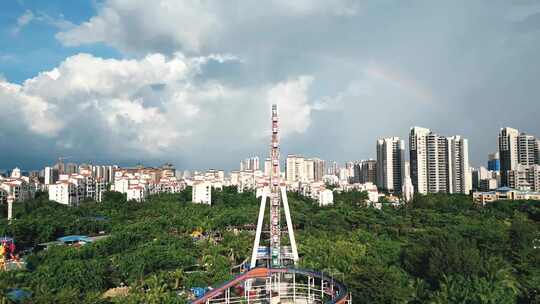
(438, 249)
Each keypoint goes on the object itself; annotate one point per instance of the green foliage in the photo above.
(439, 249)
(324, 251)
(443, 202)
(378, 283)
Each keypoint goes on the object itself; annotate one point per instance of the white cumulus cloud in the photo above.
(139, 25)
(292, 100)
(27, 111)
(153, 107)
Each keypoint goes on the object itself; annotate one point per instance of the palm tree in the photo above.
(421, 291)
(501, 279)
(157, 290)
(178, 276)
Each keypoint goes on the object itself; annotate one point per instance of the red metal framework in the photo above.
(279, 285)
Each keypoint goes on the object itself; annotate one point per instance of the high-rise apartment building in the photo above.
(478, 174)
(418, 158)
(368, 171)
(390, 163)
(309, 170)
(494, 162)
(333, 168)
(349, 167)
(267, 166)
(60, 166)
(538, 151)
(516, 149)
(527, 149)
(437, 157)
(250, 164)
(318, 169)
(357, 169)
(106, 173)
(301, 169)
(71, 168)
(459, 173)
(438, 164)
(508, 151)
(295, 169)
(51, 175)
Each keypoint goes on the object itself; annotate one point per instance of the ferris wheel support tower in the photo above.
(274, 276)
(275, 255)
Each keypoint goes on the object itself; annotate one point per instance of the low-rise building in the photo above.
(244, 180)
(65, 193)
(370, 188)
(504, 193)
(137, 193)
(326, 197)
(312, 189)
(138, 183)
(72, 188)
(202, 192)
(21, 188)
(488, 184)
(524, 177)
(330, 179)
(169, 185)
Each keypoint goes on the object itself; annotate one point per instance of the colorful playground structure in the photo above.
(9, 260)
(272, 276)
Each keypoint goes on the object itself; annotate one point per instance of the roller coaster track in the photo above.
(339, 293)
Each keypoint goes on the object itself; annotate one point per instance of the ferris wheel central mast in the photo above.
(275, 184)
(272, 276)
(275, 255)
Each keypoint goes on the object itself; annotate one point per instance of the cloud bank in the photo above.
(154, 107)
(195, 79)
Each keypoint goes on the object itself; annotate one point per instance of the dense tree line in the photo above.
(438, 249)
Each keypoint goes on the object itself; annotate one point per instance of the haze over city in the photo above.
(78, 80)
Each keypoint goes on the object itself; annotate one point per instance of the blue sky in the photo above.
(191, 82)
(31, 48)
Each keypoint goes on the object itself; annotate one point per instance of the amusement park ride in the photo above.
(8, 259)
(273, 277)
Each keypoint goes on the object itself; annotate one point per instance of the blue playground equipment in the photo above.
(18, 295)
(199, 291)
(70, 239)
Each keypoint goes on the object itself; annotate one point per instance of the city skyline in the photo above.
(192, 94)
(267, 152)
(253, 159)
